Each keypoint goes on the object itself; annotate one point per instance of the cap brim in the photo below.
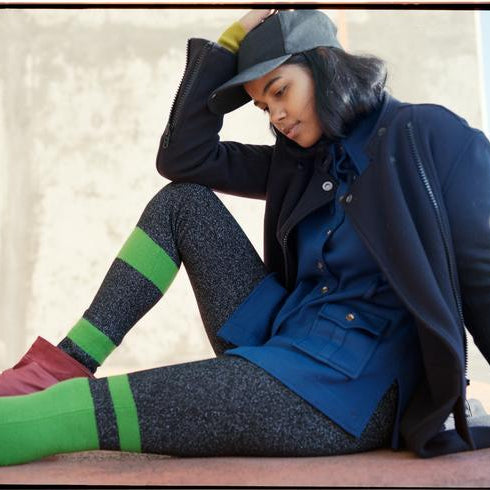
(231, 95)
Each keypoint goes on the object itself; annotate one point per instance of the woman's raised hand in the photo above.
(255, 17)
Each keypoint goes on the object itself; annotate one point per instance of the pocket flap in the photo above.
(344, 339)
(348, 318)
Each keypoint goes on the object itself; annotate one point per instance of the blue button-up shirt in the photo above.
(342, 336)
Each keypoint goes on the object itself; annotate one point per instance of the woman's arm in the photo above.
(233, 36)
(190, 148)
(467, 197)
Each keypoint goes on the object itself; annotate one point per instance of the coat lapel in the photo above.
(315, 192)
(390, 209)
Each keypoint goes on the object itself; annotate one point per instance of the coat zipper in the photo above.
(183, 91)
(284, 245)
(284, 251)
(425, 180)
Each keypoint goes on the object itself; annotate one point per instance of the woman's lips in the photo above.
(292, 131)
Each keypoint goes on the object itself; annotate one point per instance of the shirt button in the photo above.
(381, 131)
(348, 199)
(324, 289)
(341, 198)
(300, 166)
(327, 186)
(350, 316)
(319, 264)
(329, 232)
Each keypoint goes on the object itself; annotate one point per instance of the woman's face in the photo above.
(287, 95)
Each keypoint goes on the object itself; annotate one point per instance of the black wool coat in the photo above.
(422, 209)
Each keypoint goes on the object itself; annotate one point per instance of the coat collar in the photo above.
(388, 108)
(360, 142)
(362, 133)
(300, 153)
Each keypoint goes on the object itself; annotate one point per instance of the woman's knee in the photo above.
(187, 191)
(176, 195)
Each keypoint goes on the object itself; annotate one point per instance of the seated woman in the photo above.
(349, 336)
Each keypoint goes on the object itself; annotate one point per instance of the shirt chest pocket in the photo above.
(343, 339)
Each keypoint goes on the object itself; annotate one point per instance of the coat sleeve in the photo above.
(190, 148)
(467, 198)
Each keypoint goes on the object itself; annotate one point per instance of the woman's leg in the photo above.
(224, 406)
(183, 223)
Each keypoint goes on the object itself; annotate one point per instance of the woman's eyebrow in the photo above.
(269, 83)
(267, 87)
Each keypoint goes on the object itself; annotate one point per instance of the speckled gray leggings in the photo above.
(221, 406)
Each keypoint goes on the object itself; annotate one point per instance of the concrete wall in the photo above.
(84, 97)
(484, 48)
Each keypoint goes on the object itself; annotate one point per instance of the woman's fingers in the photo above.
(254, 17)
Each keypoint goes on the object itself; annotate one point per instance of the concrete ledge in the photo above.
(382, 468)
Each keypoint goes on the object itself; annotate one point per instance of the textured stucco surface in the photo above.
(84, 97)
(374, 469)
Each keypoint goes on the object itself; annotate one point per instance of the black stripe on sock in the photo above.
(105, 415)
(72, 349)
(124, 297)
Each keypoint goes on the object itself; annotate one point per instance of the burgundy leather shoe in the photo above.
(43, 365)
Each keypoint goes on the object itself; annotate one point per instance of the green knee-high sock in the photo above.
(136, 280)
(65, 418)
